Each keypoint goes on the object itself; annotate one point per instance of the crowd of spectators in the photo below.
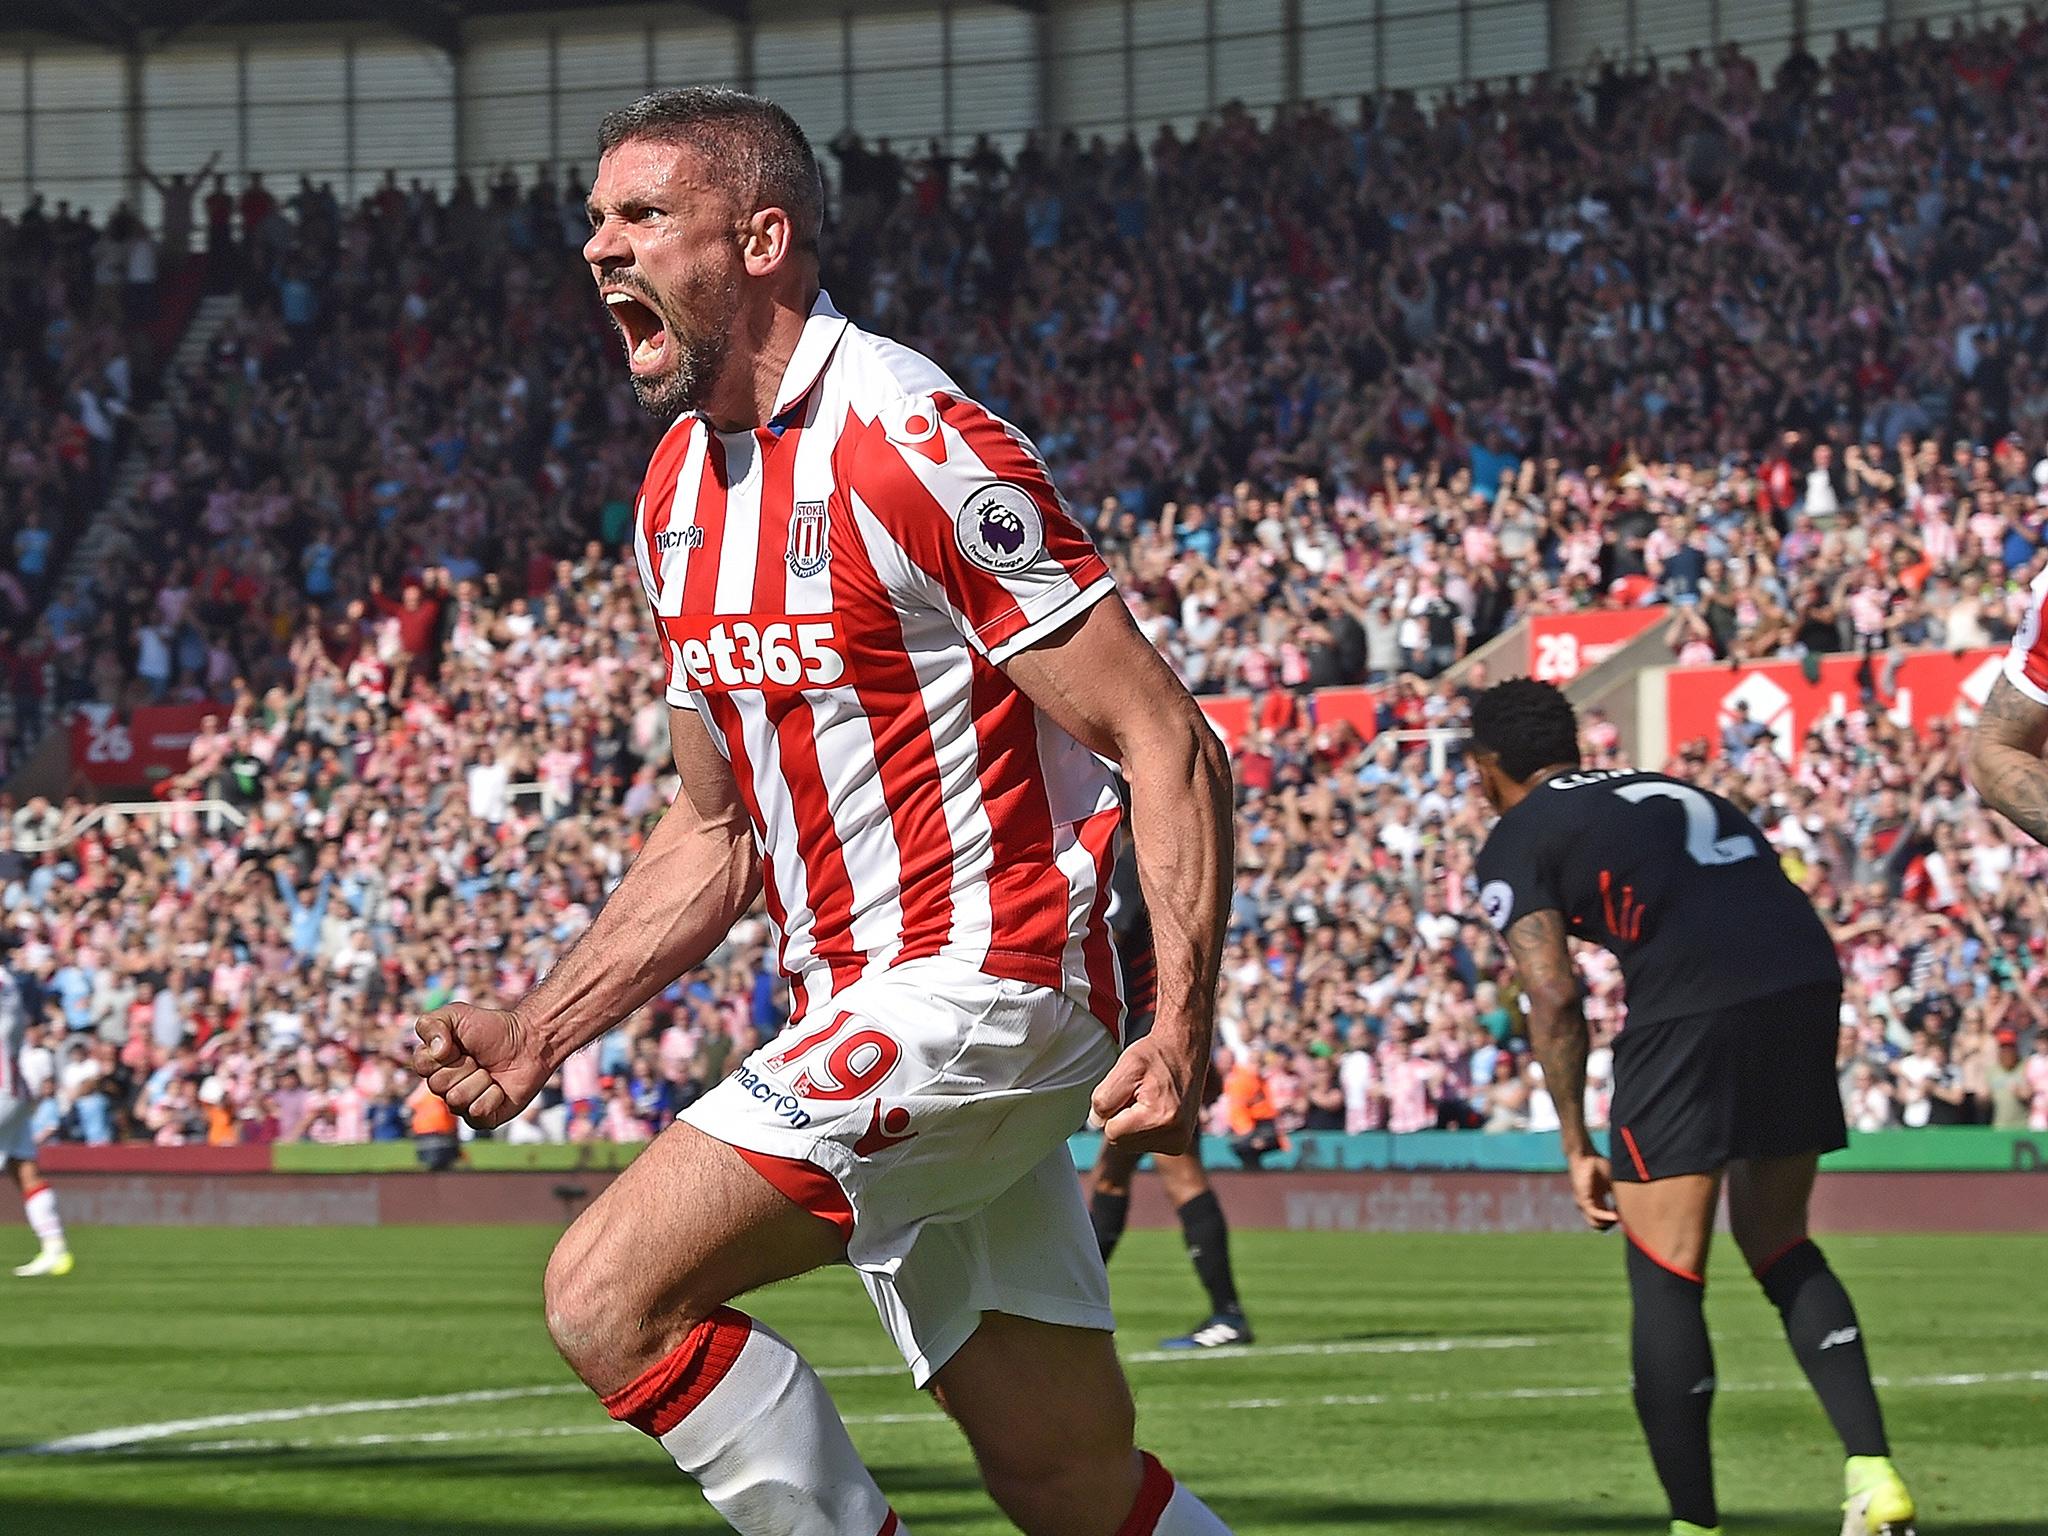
(1341, 397)
(75, 365)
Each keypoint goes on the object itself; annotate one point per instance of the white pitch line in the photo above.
(1234, 1405)
(1341, 1347)
(135, 1434)
(124, 1435)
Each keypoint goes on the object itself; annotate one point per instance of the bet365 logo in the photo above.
(716, 653)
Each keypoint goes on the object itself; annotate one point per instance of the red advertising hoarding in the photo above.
(1925, 686)
(1564, 646)
(1232, 714)
(145, 746)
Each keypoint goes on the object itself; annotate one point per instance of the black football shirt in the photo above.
(1675, 880)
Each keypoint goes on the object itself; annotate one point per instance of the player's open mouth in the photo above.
(645, 331)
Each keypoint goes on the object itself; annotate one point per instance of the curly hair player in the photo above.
(1725, 1075)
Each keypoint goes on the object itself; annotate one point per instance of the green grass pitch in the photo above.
(1418, 1385)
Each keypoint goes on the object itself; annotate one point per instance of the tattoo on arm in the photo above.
(1557, 1023)
(2005, 758)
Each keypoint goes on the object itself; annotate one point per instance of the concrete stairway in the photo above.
(119, 527)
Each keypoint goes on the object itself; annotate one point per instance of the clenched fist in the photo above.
(1151, 1099)
(483, 1061)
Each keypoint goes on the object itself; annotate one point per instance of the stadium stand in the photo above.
(1343, 398)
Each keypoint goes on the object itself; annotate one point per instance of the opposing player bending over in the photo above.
(1202, 1225)
(892, 660)
(18, 1142)
(2005, 750)
(1725, 1073)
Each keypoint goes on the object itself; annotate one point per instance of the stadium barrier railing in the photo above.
(217, 814)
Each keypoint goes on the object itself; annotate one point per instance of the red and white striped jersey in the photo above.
(835, 594)
(2026, 665)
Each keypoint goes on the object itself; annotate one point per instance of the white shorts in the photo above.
(926, 1111)
(17, 1132)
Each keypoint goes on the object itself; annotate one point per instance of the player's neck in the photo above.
(766, 340)
(1534, 782)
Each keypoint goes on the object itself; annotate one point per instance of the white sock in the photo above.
(41, 1205)
(741, 1412)
(1164, 1508)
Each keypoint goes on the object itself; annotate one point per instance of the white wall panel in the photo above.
(696, 55)
(80, 148)
(1589, 27)
(803, 47)
(897, 40)
(576, 121)
(1317, 13)
(1170, 80)
(993, 98)
(1169, 21)
(398, 69)
(1826, 17)
(1756, 21)
(505, 130)
(1421, 50)
(1088, 88)
(406, 136)
(197, 74)
(76, 78)
(1339, 62)
(297, 72)
(1250, 67)
(1667, 31)
(497, 64)
(1508, 40)
(188, 110)
(905, 106)
(1087, 25)
(602, 58)
(13, 130)
(288, 139)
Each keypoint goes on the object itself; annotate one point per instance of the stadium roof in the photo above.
(141, 25)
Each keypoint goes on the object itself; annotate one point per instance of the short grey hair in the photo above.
(754, 143)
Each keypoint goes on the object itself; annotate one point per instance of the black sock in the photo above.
(1107, 1214)
(1208, 1240)
(1674, 1386)
(1820, 1325)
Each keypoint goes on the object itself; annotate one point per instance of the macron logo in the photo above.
(1840, 1336)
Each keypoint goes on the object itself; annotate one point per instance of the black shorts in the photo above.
(1757, 1079)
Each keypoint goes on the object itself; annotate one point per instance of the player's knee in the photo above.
(1183, 1178)
(576, 1299)
(599, 1314)
(1761, 1230)
(1763, 1244)
(1111, 1185)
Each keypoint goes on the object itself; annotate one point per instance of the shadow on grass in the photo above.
(59, 1516)
(526, 1511)
(1335, 1514)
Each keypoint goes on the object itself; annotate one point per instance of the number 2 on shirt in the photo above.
(1702, 844)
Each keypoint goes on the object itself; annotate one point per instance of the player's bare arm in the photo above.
(2005, 758)
(1107, 687)
(1557, 1031)
(698, 873)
